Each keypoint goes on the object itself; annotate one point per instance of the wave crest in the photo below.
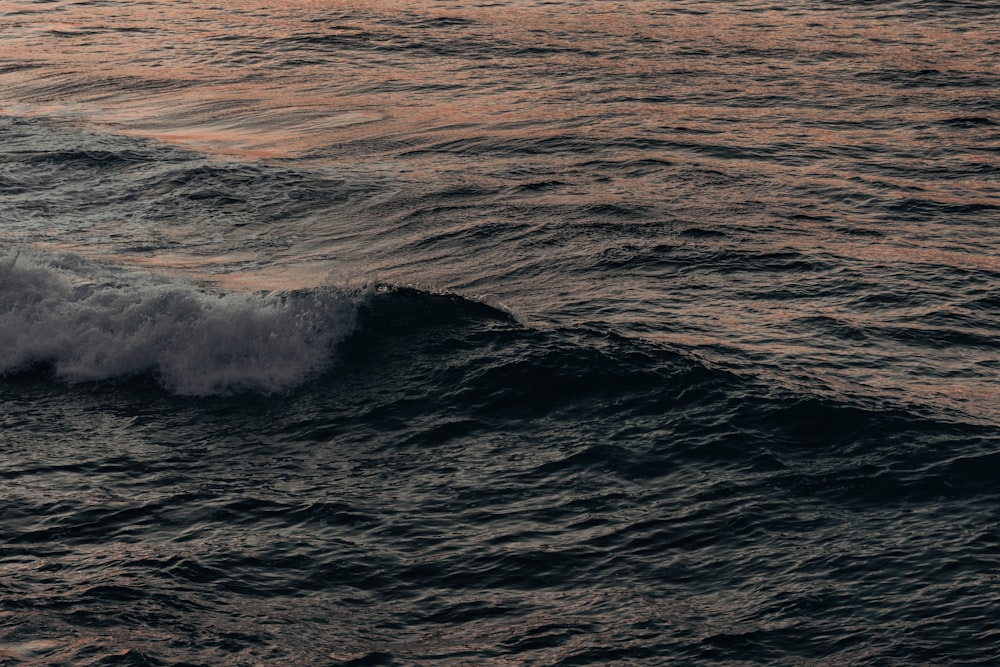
(91, 322)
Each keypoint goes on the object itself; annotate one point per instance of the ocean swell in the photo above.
(92, 322)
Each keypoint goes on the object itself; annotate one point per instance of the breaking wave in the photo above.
(92, 322)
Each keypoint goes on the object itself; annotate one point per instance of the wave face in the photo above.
(528, 332)
(90, 323)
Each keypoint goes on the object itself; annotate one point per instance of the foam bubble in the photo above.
(92, 322)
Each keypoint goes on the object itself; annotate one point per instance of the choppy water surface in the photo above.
(516, 332)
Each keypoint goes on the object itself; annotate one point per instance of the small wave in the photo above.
(91, 322)
(969, 122)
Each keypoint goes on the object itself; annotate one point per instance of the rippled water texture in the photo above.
(813, 186)
(515, 332)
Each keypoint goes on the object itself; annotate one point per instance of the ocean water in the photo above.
(513, 332)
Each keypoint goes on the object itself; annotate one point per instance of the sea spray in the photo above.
(90, 322)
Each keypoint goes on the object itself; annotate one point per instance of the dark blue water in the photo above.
(509, 333)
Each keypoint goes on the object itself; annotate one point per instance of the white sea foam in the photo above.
(92, 322)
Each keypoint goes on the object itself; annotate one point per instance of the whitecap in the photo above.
(94, 322)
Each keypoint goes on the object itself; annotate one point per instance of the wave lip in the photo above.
(90, 322)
